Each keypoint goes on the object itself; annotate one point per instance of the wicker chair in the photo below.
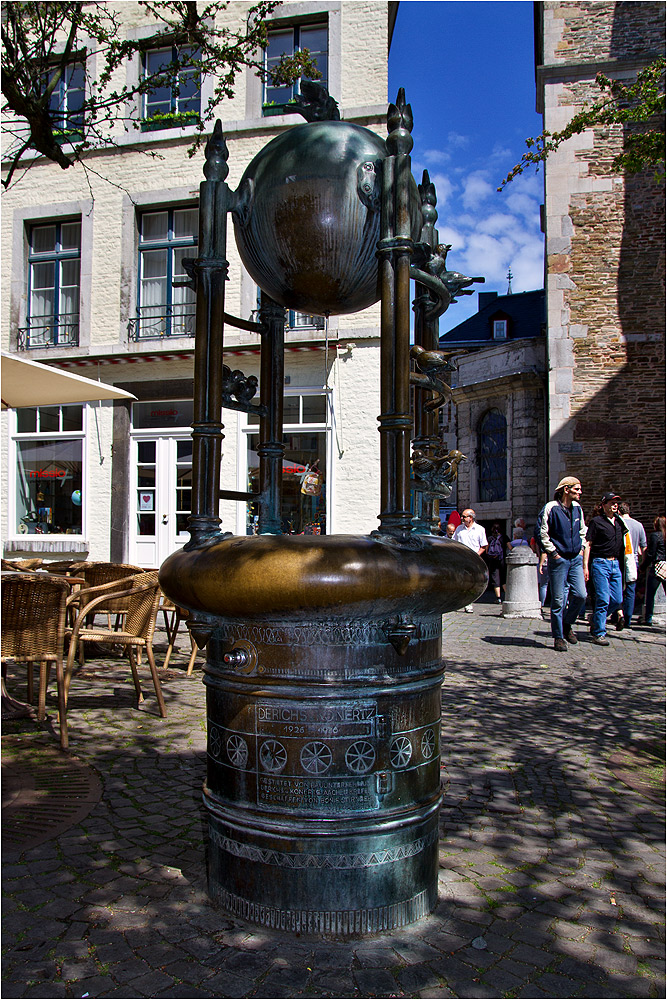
(96, 574)
(33, 631)
(21, 565)
(142, 596)
(65, 567)
(173, 616)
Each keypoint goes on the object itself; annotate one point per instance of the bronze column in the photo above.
(210, 273)
(271, 448)
(427, 331)
(394, 250)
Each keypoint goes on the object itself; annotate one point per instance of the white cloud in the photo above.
(497, 223)
(489, 244)
(476, 189)
(435, 156)
(455, 237)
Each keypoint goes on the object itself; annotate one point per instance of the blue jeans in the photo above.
(629, 601)
(608, 583)
(566, 577)
(543, 582)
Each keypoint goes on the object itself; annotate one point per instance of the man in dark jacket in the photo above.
(562, 534)
(603, 557)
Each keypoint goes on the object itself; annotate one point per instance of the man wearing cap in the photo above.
(562, 535)
(603, 555)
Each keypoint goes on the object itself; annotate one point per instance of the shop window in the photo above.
(305, 472)
(285, 42)
(174, 99)
(166, 305)
(492, 450)
(50, 495)
(54, 265)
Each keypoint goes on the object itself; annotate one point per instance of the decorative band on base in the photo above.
(341, 923)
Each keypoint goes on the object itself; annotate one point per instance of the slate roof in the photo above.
(526, 312)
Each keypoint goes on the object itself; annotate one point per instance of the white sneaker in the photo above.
(468, 609)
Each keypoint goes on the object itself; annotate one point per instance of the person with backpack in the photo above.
(561, 530)
(494, 558)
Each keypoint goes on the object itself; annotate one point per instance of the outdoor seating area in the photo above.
(75, 615)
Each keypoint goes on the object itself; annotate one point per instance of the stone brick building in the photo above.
(605, 265)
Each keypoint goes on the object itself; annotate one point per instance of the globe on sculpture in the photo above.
(307, 222)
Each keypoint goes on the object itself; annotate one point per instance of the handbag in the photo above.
(311, 484)
(630, 561)
(660, 569)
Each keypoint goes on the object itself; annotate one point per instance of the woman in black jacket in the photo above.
(655, 553)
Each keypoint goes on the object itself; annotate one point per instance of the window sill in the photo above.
(160, 124)
(26, 543)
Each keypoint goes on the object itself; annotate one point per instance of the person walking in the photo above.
(638, 539)
(562, 535)
(654, 555)
(603, 557)
(494, 558)
(472, 535)
(447, 530)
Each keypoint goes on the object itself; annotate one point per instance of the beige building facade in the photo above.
(94, 283)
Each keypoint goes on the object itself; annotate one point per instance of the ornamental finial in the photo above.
(399, 125)
(217, 154)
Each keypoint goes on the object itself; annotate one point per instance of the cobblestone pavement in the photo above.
(551, 879)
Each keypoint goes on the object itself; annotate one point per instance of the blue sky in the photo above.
(468, 72)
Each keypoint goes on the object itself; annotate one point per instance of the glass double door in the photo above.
(160, 497)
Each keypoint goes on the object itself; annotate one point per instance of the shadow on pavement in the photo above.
(551, 868)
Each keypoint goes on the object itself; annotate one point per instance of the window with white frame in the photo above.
(54, 264)
(166, 306)
(305, 479)
(286, 41)
(49, 496)
(175, 97)
(67, 99)
(500, 329)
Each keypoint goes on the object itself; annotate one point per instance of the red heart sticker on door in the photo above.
(146, 497)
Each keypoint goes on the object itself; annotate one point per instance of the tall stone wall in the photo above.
(605, 266)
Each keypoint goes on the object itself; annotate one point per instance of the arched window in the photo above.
(492, 453)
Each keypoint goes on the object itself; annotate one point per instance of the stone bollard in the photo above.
(659, 609)
(522, 599)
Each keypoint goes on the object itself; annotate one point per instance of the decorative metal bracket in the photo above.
(237, 391)
(435, 473)
(399, 635)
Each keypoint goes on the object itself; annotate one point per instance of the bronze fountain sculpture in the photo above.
(324, 653)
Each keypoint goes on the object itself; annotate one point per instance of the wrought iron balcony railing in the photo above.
(172, 322)
(47, 331)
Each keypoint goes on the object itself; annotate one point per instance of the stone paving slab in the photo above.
(551, 869)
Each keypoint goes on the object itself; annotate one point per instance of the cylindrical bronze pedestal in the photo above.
(323, 684)
(323, 781)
